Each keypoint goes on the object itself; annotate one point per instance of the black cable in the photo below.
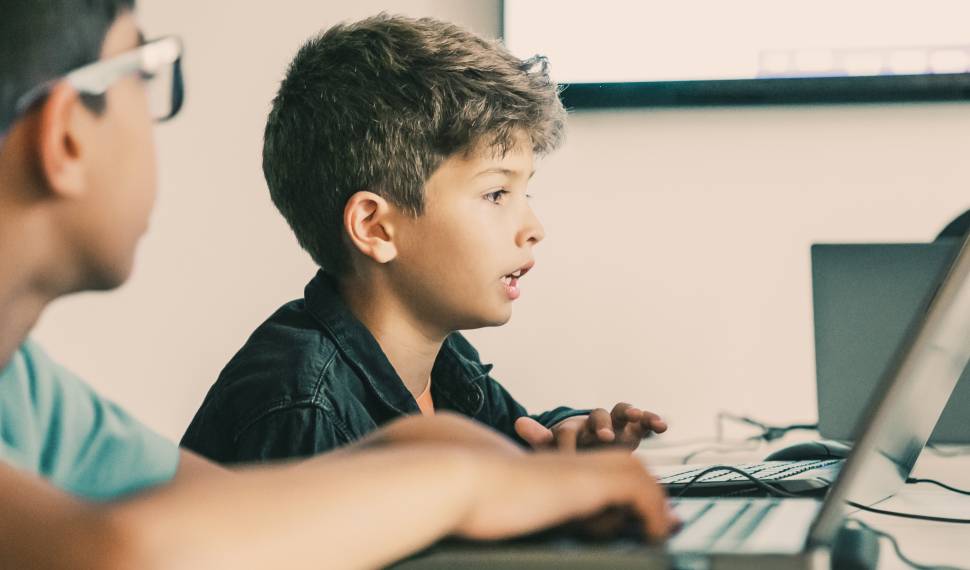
(719, 449)
(899, 553)
(909, 515)
(774, 491)
(778, 492)
(913, 480)
(718, 443)
(771, 489)
(768, 432)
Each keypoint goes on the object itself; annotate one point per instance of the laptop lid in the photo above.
(865, 297)
(908, 402)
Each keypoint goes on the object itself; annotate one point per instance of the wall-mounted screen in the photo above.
(629, 52)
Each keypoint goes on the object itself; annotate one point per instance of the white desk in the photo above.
(924, 542)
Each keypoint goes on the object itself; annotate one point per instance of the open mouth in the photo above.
(511, 279)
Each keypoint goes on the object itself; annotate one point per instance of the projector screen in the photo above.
(623, 52)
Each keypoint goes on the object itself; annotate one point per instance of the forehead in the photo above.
(517, 159)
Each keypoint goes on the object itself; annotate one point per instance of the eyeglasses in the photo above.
(157, 62)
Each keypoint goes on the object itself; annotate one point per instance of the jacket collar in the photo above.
(455, 377)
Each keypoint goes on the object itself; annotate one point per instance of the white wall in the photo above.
(675, 272)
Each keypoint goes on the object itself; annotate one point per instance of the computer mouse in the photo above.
(808, 450)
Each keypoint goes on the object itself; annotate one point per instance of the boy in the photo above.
(399, 151)
(84, 485)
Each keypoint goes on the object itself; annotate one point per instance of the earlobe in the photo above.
(368, 224)
(58, 147)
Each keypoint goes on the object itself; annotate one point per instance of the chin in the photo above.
(498, 319)
(484, 320)
(109, 276)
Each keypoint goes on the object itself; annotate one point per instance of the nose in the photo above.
(531, 231)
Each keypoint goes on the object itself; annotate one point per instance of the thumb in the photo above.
(534, 433)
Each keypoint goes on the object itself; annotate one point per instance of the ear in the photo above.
(58, 146)
(368, 223)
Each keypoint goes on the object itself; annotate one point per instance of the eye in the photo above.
(146, 75)
(496, 196)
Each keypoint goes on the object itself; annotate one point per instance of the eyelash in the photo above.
(497, 195)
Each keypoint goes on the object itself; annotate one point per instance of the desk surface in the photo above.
(928, 543)
(924, 542)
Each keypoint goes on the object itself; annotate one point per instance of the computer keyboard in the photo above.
(723, 523)
(766, 470)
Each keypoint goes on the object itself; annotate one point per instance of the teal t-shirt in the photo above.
(54, 425)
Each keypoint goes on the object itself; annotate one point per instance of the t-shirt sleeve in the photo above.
(55, 425)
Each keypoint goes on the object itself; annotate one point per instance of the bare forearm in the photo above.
(363, 510)
(442, 428)
(350, 509)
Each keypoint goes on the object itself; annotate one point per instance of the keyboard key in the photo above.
(708, 527)
(744, 526)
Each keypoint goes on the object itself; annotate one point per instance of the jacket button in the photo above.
(475, 398)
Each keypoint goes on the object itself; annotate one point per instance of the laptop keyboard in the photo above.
(727, 523)
(766, 470)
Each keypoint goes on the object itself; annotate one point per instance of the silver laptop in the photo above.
(785, 533)
(865, 298)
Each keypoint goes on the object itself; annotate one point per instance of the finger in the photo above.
(567, 435)
(534, 433)
(650, 500)
(606, 524)
(632, 435)
(600, 426)
(630, 485)
(619, 415)
(653, 422)
(659, 519)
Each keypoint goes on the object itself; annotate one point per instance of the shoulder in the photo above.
(60, 428)
(33, 375)
(285, 363)
(288, 353)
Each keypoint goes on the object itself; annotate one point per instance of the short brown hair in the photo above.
(379, 104)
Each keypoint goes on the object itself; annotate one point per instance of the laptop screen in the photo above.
(907, 405)
(865, 299)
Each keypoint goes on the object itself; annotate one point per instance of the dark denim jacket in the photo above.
(312, 378)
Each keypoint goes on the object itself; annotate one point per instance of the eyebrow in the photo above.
(505, 171)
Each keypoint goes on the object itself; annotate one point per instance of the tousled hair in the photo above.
(379, 104)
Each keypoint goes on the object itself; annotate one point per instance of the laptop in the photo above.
(865, 296)
(790, 532)
(866, 299)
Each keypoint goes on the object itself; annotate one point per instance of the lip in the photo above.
(523, 269)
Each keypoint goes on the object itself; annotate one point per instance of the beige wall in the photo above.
(675, 272)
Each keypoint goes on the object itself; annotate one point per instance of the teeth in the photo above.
(517, 274)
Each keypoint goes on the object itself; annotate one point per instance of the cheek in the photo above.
(124, 170)
(466, 246)
(135, 162)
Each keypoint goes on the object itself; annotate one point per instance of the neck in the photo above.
(410, 344)
(25, 287)
(18, 314)
(32, 270)
(22, 295)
